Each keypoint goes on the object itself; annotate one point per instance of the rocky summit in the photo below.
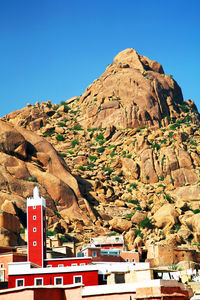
(121, 158)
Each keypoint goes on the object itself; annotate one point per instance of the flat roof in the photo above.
(19, 270)
(68, 258)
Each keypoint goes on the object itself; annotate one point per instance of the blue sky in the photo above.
(52, 50)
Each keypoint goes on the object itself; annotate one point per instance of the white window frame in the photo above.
(77, 276)
(17, 280)
(58, 278)
(60, 265)
(34, 217)
(82, 264)
(34, 207)
(41, 278)
(34, 243)
(73, 265)
(49, 266)
(94, 253)
(34, 229)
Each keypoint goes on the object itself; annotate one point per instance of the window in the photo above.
(34, 207)
(58, 280)
(82, 264)
(34, 217)
(19, 282)
(73, 265)
(94, 253)
(127, 260)
(2, 265)
(34, 243)
(133, 259)
(38, 281)
(77, 279)
(34, 229)
(49, 266)
(61, 265)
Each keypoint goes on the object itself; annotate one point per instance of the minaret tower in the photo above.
(36, 228)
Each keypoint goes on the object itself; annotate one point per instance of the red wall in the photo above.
(68, 262)
(88, 278)
(35, 253)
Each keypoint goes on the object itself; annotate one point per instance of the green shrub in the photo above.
(95, 99)
(93, 157)
(101, 142)
(60, 137)
(184, 108)
(51, 233)
(117, 178)
(129, 190)
(92, 129)
(150, 201)
(99, 137)
(77, 127)
(155, 146)
(188, 119)
(168, 198)
(62, 154)
(146, 222)
(82, 168)
(74, 143)
(138, 207)
(100, 149)
(174, 126)
(63, 239)
(124, 153)
(129, 216)
(132, 201)
(112, 154)
(90, 166)
(112, 233)
(193, 143)
(22, 230)
(49, 133)
(32, 179)
(147, 177)
(108, 170)
(138, 233)
(129, 156)
(196, 211)
(70, 151)
(60, 124)
(133, 185)
(66, 120)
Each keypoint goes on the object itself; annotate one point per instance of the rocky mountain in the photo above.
(121, 158)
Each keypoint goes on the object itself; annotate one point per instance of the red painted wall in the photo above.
(35, 253)
(88, 278)
(68, 262)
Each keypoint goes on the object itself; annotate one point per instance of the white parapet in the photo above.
(36, 200)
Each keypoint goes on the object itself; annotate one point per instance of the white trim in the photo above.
(77, 276)
(34, 243)
(17, 280)
(34, 229)
(82, 264)
(19, 268)
(38, 278)
(34, 217)
(68, 258)
(58, 278)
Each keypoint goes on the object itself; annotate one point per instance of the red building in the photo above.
(26, 274)
(36, 223)
(41, 271)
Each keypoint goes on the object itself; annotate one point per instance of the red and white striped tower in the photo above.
(36, 228)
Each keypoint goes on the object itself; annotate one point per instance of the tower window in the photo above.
(34, 217)
(34, 207)
(34, 243)
(34, 229)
